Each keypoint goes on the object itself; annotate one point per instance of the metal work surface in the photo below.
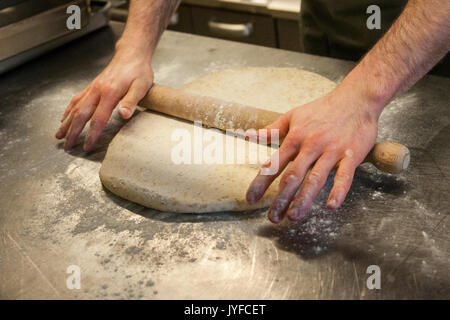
(54, 212)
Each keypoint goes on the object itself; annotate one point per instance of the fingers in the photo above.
(281, 124)
(80, 115)
(136, 92)
(291, 181)
(100, 119)
(97, 101)
(342, 182)
(126, 79)
(80, 118)
(75, 121)
(72, 103)
(314, 182)
(62, 131)
(67, 117)
(277, 163)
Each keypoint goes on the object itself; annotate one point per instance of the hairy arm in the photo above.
(125, 80)
(416, 42)
(147, 20)
(341, 128)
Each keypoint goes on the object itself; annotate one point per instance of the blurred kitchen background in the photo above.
(271, 23)
(29, 28)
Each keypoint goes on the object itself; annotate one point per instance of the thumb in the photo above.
(127, 105)
(276, 130)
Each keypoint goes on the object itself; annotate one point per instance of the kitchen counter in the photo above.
(54, 212)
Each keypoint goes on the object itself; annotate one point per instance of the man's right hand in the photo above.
(123, 83)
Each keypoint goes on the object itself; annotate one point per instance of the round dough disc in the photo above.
(138, 165)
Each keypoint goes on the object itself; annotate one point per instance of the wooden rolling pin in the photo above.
(387, 156)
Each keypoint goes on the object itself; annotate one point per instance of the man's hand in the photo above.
(123, 83)
(341, 128)
(125, 80)
(337, 130)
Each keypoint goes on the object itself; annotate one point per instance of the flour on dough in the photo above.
(138, 164)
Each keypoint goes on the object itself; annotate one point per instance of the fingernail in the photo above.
(87, 145)
(276, 209)
(92, 135)
(87, 140)
(252, 192)
(332, 203)
(295, 214)
(255, 190)
(124, 112)
(281, 203)
(336, 200)
(254, 195)
(251, 196)
(301, 206)
(273, 217)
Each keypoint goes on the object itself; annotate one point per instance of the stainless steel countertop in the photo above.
(54, 212)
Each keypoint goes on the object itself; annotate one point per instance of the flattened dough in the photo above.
(138, 164)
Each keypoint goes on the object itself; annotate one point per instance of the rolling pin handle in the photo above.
(389, 157)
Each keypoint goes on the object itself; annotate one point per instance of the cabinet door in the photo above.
(182, 20)
(288, 34)
(232, 25)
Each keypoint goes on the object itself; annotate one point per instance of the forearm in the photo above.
(147, 20)
(418, 40)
